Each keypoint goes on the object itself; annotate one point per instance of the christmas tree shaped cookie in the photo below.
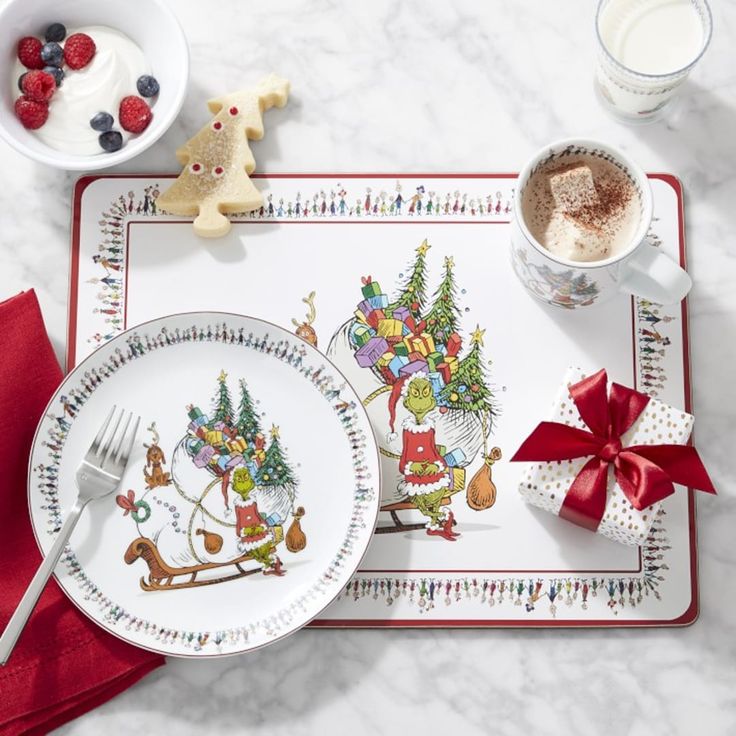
(217, 161)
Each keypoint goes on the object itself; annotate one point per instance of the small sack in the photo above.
(481, 493)
(296, 540)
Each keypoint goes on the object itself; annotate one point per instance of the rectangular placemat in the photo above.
(304, 262)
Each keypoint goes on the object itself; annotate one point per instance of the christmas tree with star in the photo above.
(468, 389)
(222, 404)
(442, 318)
(413, 290)
(248, 424)
(275, 469)
(217, 161)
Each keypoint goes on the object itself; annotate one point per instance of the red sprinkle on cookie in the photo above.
(38, 86)
(29, 53)
(79, 50)
(134, 114)
(31, 114)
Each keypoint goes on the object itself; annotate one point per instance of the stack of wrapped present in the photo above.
(393, 343)
(218, 447)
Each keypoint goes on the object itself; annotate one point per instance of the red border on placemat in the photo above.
(691, 613)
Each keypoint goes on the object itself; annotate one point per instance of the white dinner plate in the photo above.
(248, 502)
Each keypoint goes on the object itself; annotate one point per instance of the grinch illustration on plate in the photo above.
(189, 534)
(406, 359)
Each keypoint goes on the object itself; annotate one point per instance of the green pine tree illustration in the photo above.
(222, 404)
(442, 319)
(275, 470)
(248, 424)
(413, 290)
(468, 389)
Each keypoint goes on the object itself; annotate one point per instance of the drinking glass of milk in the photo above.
(646, 51)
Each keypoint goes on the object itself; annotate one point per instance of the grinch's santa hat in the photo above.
(399, 390)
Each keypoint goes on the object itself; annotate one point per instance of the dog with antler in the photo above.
(155, 461)
(305, 329)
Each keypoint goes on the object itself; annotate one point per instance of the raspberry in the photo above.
(79, 50)
(134, 114)
(29, 52)
(31, 114)
(38, 86)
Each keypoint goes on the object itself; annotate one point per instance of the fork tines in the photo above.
(113, 447)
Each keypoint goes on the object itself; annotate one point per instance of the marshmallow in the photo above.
(573, 188)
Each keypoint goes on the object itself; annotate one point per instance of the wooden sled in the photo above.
(162, 576)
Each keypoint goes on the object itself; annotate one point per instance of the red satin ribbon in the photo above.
(645, 473)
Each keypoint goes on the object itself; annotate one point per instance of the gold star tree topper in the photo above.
(423, 248)
(275, 432)
(476, 337)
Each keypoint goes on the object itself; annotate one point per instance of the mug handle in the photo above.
(651, 274)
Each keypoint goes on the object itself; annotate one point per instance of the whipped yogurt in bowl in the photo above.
(98, 87)
(132, 39)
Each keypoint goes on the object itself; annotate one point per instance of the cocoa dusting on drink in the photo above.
(613, 196)
(582, 210)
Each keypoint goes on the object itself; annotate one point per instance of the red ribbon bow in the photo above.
(645, 473)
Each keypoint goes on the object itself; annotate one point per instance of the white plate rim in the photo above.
(370, 435)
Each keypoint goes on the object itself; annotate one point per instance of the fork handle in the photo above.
(33, 592)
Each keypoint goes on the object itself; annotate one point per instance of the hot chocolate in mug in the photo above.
(638, 268)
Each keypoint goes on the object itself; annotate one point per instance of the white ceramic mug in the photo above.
(640, 269)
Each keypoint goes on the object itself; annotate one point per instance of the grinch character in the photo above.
(256, 538)
(426, 478)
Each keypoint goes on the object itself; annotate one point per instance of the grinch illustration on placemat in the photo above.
(407, 355)
(189, 534)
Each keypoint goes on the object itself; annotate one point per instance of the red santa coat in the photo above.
(246, 516)
(419, 447)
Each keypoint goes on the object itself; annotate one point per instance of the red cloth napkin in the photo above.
(63, 664)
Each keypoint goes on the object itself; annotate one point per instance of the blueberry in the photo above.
(147, 86)
(56, 32)
(52, 54)
(20, 81)
(111, 141)
(56, 73)
(102, 122)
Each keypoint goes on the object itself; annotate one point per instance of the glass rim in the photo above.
(708, 27)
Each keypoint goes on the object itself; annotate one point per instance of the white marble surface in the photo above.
(438, 86)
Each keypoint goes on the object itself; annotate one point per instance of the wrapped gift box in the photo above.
(444, 370)
(401, 313)
(397, 363)
(434, 359)
(236, 446)
(361, 334)
(413, 367)
(423, 344)
(375, 317)
(455, 458)
(544, 484)
(203, 456)
(452, 363)
(214, 437)
(457, 479)
(371, 288)
(379, 301)
(368, 355)
(438, 383)
(388, 327)
(454, 343)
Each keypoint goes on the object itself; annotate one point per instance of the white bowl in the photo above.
(150, 23)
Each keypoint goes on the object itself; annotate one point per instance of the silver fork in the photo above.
(98, 475)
